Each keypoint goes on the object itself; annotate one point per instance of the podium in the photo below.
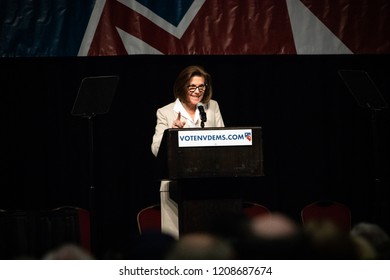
(206, 168)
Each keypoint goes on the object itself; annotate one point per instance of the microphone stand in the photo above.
(203, 116)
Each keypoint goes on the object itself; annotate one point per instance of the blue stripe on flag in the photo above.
(172, 11)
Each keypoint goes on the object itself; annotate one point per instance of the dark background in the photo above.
(318, 143)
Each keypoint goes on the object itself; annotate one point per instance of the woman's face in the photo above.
(195, 90)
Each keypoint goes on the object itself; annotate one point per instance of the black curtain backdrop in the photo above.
(318, 143)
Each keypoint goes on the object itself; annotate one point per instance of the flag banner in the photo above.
(193, 27)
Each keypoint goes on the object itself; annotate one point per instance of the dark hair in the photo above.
(183, 79)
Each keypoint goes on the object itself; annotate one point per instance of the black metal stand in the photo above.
(94, 97)
(92, 206)
(367, 96)
(380, 214)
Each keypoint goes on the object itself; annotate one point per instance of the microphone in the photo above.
(203, 116)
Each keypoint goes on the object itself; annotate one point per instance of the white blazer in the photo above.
(168, 114)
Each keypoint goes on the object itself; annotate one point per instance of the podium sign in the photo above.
(213, 138)
(211, 153)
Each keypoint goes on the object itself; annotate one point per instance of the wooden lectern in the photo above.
(206, 167)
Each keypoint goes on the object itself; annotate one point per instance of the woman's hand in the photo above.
(178, 123)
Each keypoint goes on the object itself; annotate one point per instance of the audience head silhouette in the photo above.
(274, 236)
(201, 246)
(68, 252)
(374, 235)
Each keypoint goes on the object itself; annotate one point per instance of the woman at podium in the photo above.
(193, 107)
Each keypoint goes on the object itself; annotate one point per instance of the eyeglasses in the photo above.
(192, 88)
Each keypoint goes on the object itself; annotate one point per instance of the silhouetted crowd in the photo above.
(271, 237)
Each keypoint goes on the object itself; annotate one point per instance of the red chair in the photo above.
(252, 209)
(149, 219)
(71, 223)
(328, 210)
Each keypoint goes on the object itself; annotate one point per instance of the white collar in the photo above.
(178, 107)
